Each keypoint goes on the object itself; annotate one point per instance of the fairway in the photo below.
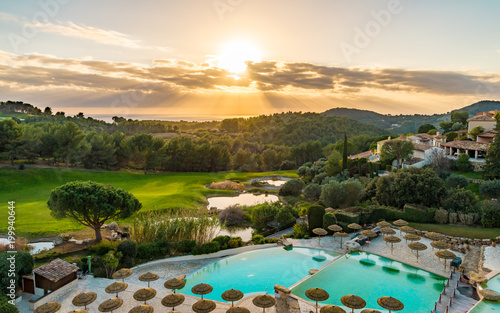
(30, 189)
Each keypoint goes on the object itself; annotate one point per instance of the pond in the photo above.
(244, 199)
(35, 247)
(244, 232)
(277, 183)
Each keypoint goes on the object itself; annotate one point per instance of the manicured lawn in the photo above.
(460, 231)
(471, 175)
(31, 189)
(11, 114)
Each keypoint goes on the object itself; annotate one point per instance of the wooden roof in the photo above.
(56, 270)
(482, 118)
(466, 145)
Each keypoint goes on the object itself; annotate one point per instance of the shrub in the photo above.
(463, 163)
(461, 201)
(292, 188)
(151, 250)
(441, 216)
(299, 230)
(315, 217)
(258, 239)
(285, 216)
(264, 213)
(186, 246)
(128, 248)
(21, 167)
(206, 248)
(103, 247)
(235, 242)
(232, 216)
(378, 214)
(457, 181)
(319, 178)
(418, 214)
(490, 214)
(312, 192)
(329, 219)
(490, 188)
(223, 241)
(6, 307)
(271, 240)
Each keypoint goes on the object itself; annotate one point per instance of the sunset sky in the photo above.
(247, 57)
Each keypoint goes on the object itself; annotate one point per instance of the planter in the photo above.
(467, 246)
(493, 243)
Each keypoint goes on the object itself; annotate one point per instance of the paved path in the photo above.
(278, 235)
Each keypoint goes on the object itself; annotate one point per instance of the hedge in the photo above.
(206, 248)
(418, 214)
(346, 217)
(329, 219)
(315, 217)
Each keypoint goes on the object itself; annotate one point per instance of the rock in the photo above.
(58, 241)
(282, 289)
(113, 226)
(88, 240)
(313, 271)
(79, 242)
(182, 277)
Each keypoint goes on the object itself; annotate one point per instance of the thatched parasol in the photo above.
(143, 308)
(237, 309)
(440, 245)
(341, 235)
(411, 237)
(320, 232)
(353, 302)
(407, 229)
(144, 294)
(392, 240)
(400, 223)
(79, 311)
(202, 289)
(110, 305)
(148, 277)
(116, 287)
(317, 294)
(477, 278)
(445, 255)
(173, 300)
(354, 226)
(331, 309)
(434, 236)
(384, 224)
(204, 306)
(122, 274)
(490, 295)
(370, 311)
(417, 246)
(264, 301)
(49, 307)
(369, 233)
(174, 283)
(387, 231)
(84, 299)
(232, 295)
(390, 303)
(335, 227)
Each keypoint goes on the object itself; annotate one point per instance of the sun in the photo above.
(235, 54)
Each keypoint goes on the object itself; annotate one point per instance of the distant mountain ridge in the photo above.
(408, 123)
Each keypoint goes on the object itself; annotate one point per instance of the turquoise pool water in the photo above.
(489, 306)
(259, 270)
(371, 277)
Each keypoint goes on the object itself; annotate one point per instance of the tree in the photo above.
(5, 306)
(463, 163)
(333, 167)
(492, 166)
(457, 126)
(460, 117)
(450, 136)
(476, 131)
(110, 261)
(446, 126)
(461, 201)
(292, 188)
(92, 204)
(419, 186)
(438, 160)
(344, 154)
(397, 149)
(312, 192)
(10, 139)
(69, 138)
(425, 128)
(47, 111)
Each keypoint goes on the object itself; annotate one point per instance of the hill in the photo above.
(408, 123)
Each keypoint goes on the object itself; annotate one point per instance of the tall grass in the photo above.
(174, 226)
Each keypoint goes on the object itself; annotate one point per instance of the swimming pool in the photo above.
(371, 276)
(256, 271)
(486, 306)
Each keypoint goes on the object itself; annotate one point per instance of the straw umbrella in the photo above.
(232, 295)
(173, 300)
(440, 245)
(335, 228)
(353, 302)
(341, 235)
(84, 299)
(411, 237)
(202, 289)
(370, 311)
(320, 232)
(122, 274)
(445, 255)
(264, 301)
(434, 236)
(354, 226)
(116, 287)
(143, 308)
(369, 233)
(407, 229)
(400, 223)
(384, 224)
(174, 283)
(390, 303)
(149, 277)
(204, 306)
(477, 278)
(110, 305)
(144, 294)
(331, 309)
(392, 240)
(417, 246)
(79, 311)
(237, 309)
(49, 307)
(317, 294)
(387, 231)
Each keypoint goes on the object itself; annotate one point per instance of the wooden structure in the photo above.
(54, 275)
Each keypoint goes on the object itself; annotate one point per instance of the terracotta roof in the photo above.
(425, 135)
(421, 147)
(56, 270)
(466, 145)
(490, 134)
(482, 118)
(361, 155)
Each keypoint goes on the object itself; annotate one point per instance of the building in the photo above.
(486, 137)
(54, 275)
(484, 119)
(475, 150)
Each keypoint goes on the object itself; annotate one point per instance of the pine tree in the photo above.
(492, 167)
(344, 155)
